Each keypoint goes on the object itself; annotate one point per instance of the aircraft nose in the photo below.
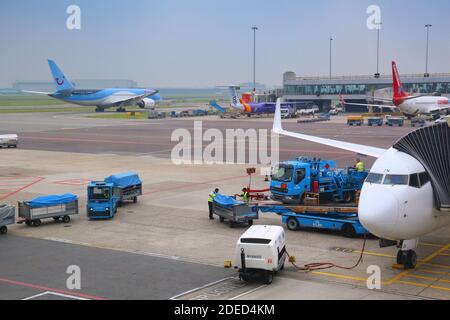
(379, 215)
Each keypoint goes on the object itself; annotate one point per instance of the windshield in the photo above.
(374, 178)
(284, 174)
(395, 180)
(98, 193)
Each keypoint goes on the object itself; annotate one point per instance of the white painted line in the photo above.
(248, 292)
(54, 294)
(201, 288)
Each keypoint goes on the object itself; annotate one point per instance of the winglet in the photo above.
(277, 127)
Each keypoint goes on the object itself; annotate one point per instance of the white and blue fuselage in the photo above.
(106, 97)
(102, 99)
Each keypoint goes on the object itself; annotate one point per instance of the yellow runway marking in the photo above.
(432, 245)
(427, 278)
(376, 254)
(434, 272)
(445, 254)
(437, 265)
(423, 285)
(425, 261)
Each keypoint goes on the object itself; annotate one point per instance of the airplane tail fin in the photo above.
(342, 101)
(277, 127)
(399, 92)
(235, 101)
(62, 83)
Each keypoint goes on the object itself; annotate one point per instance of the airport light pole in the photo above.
(331, 52)
(428, 26)
(377, 75)
(254, 28)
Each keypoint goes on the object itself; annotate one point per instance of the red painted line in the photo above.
(23, 188)
(38, 287)
(96, 141)
(192, 184)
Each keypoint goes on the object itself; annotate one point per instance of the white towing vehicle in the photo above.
(260, 253)
(9, 140)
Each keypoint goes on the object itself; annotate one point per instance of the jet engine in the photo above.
(146, 103)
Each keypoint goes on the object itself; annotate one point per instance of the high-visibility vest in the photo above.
(246, 197)
(211, 197)
(360, 167)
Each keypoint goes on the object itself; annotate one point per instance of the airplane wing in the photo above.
(136, 99)
(357, 148)
(37, 92)
(371, 105)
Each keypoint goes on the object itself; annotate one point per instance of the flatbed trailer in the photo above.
(342, 219)
(51, 207)
(7, 217)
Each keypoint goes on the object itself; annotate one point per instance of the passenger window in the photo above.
(396, 180)
(374, 178)
(414, 181)
(424, 178)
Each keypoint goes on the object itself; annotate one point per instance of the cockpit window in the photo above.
(396, 180)
(374, 178)
(414, 181)
(424, 178)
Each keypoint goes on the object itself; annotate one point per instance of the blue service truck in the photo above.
(104, 197)
(335, 207)
(294, 179)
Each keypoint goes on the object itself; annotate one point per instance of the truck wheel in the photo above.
(269, 278)
(3, 230)
(66, 219)
(250, 223)
(28, 223)
(293, 224)
(56, 218)
(119, 204)
(37, 223)
(348, 231)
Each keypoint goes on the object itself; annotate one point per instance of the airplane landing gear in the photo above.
(407, 258)
(99, 109)
(121, 109)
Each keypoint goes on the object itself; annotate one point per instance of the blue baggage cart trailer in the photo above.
(56, 207)
(341, 219)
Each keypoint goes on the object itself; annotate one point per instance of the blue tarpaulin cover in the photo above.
(226, 201)
(54, 200)
(124, 180)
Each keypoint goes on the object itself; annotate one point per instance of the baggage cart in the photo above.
(57, 207)
(7, 217)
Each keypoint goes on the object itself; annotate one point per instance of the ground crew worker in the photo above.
(210, 203)
(246, 195)
(360, 166)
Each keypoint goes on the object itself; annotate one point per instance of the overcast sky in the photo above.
(203, 43)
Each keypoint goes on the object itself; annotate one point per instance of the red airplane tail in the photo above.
(341, 100)
(399, 92)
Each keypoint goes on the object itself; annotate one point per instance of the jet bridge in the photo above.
(431, 147)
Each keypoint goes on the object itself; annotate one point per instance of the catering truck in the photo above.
(295, 179)
(104, 197)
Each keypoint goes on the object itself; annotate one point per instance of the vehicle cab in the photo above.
(292, 179)
(101, 201)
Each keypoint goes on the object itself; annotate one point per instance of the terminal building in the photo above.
(49, 86)
(324, 91)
